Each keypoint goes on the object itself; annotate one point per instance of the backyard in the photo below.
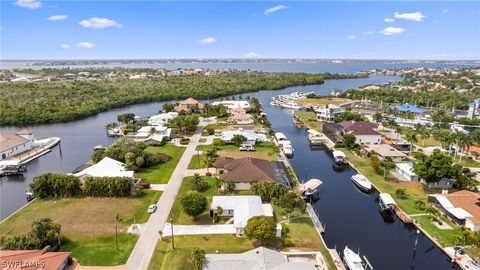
(310, 120)
(88, 224)
(263, 150)
(161, 173)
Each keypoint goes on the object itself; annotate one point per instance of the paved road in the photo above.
(143, 250)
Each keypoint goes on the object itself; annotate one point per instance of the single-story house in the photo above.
(33, 259)
(364, 131)
(162, 119)
(444, 183)
(241, 119)
(152, 137)
(461, 206)
(106, 167)
(384, 151)
(258, 258)
(244, 171)
(406, 171)
(252, 136)
(242, 208)
(231, 104)
(189, 105)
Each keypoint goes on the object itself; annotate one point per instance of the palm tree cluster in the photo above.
(455, 141)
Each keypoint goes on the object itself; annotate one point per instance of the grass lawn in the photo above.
(310, 120)
(427, 142)
(197, 162)
(321, 101)
(160, 174)
(87, 222)
(164, 258)
(444, 237)
(263, 150)
(468, 162)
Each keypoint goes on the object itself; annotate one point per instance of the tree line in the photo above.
(60, 101)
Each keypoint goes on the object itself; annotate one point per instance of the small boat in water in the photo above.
(354, 262)
(287, 149)
(386, 202)
(309, 188)
(362, 182)
(339, 157)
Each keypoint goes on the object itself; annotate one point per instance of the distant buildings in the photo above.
(189, 105)
(245, 171)
(12, 144)
(473, 108)
(242, 208)
(106, 167)
(409, 108)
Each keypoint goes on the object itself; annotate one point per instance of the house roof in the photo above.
(106, 167)
(24, 132)
(353, 123)
(240, 117)
(10, 140)
(409, 108)
(256, 259)
(406, 167)
(249, 134)
(221, 161)
(467, 200)
(385, 150)
(248, 170)
(360, 128)
(33, 259)
(244, 207)
(189, 101)
(474, 148)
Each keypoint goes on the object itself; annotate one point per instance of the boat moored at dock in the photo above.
(386, 202)
(354, 262)
(339, 157)
(287, 149)
(362, 182)
(309, 188)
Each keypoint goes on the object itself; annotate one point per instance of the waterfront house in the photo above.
(33, 259)
(444, 183)
(232, 104)
(405, 171)
(12, 144)
(240, 117)
(251, 136)
(261, 258)
(384, 152)
(153, 135)
(328, 112)
(189, 105)
(242, 208)
(162, 119)
(245, 171)
(461, 206)
(364, 132)
(106, 167)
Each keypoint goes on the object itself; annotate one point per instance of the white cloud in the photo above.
(390, 31)
(369, 32)
(350, 37)
(31, 4)
(207, 40)
(65, 46)
(274, 9)
(57, 17)
(99, 23)
(388, 20)
(414, 16)
(85, 45)
(251, 55)
(445, 11)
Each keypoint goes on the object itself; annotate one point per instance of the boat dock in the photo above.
(12, 170)
(316, 222)
(42, 147)
(402, 216)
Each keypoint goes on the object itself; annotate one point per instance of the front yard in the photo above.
(161, 173)
(88, 224)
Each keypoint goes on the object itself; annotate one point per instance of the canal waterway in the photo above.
(350, 216)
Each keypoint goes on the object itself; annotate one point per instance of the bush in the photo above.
(184, 141)
(55, 185)
(44, 233)
(194, 203)
(261, 229)
(401, 193)
(108, 186)
(210, 131)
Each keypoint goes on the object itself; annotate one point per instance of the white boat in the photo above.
(386, 202)
(281, 139)
(287, 149)
(354, 262)
(362, 182)
(290, 105)
(310, 187)
(339, 157)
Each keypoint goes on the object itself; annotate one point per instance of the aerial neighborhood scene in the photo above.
(239, 135)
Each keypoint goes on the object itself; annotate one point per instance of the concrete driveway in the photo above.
(198, 229)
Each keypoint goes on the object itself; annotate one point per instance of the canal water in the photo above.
(351, 217)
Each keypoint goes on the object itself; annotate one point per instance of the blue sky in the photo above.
(36, 29)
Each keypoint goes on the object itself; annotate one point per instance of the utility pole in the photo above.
(117, 217)
(171, 226)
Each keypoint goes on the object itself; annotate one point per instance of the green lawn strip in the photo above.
(310, 120)
(430, 142)
(164, 258)
(161, 173)
(444, 237)
(101, 251)
(474, 252)
(468, 162)
(88, 224)
(197, 162)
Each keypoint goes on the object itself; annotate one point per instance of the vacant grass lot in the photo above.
(88, 223)
(263, 150)
(160, 174)
(310, 120)
(321, 101)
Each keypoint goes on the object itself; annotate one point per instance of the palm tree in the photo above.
(424, 134)
(398, 130)
(210, 156)
(411, 137)
(464, 142)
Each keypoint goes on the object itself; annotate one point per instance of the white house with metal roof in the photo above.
(106, 167)
(251, 136)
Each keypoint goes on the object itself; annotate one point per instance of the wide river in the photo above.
(351, 217)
